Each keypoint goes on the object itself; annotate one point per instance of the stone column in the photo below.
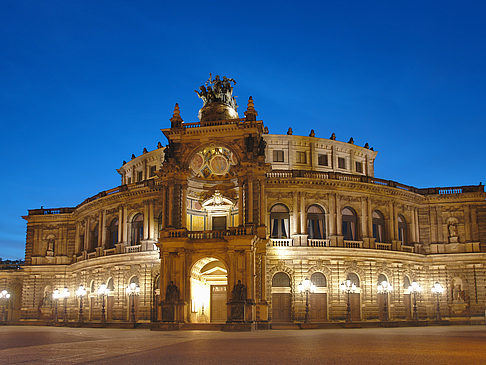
(170, 205)
(412, 226)
(417, 227)
(103, 229)
(120, 224)
(76, 240)
(240, 203)
(164, 205)
(339, 216)
(295, 215)
(184, 206)
(370, 217)
(332, 216)
(391, 224)
(303, 220)
(263, 208)
(86, 235)
(152, 225)
(250, 200)
(364, 219)
(125, 225)
(145, 219)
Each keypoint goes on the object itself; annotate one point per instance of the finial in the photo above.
(159, 145)
(312, 133)
(176, 120)
(333, 136)
(366, 145)
(145, 150)
(289, 132)
(351, 140)
(124, 162)
(251, 113)
(265, 130)
(133, 156)
(371, 149)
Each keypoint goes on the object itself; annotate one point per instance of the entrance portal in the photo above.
(208, 291)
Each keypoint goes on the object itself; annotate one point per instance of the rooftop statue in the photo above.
(217, 90)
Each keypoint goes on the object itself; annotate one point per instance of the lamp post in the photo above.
(348, 287)
(306, 286)
(4, 297)
(384, 288)
(102, 292)
(65, 294)
(437, 289)
(56, 294)
(132, 290)
(80, 293)
(415, 288)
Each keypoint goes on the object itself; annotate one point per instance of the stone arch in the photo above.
(325, 271)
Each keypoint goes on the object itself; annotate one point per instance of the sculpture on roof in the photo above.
(218, 90)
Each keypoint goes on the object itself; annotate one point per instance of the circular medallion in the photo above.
(219, 165)
(196, 163)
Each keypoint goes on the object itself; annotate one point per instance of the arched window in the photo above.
(281, 280)
(137, 229)
(316, 226)
(92, 287)
(279, 221)
(349, 224)
(353, 278)
(402, 230)
(378, 226)
(382, 278)
(93, 242)
(113, 233)
(319, 280)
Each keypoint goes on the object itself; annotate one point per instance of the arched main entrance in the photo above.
(209, 281)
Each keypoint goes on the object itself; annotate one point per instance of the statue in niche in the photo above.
(452, 228)
(50, 247)
(172, 293)
(238, 293)
(458, 294)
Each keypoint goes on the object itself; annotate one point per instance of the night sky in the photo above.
(84, 84)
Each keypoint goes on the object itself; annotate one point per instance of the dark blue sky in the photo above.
(84, 84)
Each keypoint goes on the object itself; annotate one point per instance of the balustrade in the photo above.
(383, 246)
(353, 244)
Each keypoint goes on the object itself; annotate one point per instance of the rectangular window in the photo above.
(301, 157)
(322, 160)
(129, 180)
(341, 163)
(359, 167)
(139, 176)
(152, 170)
(278, 156)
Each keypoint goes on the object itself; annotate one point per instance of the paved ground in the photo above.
(425, 345)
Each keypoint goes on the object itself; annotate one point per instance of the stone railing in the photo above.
(109, 251)
(204, 235)
(91, 255)
(406, 248)
(311, 242)
(281, 242)
(322, 175)
(353, 244)
(132, 249)
(383, 246)
(43, 211)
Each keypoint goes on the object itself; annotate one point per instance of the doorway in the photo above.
(209, 291)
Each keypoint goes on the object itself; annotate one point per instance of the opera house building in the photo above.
(227, 225)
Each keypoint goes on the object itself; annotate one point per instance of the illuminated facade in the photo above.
(224, 223)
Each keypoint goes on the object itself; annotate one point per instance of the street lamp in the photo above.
(306, 286)
(65, 294)
(132, 290)
(348, 287)
(437, 289)
(102, 292)
(415, 288)
(56, 294)
(4, 297)
(384, 288)
(80, 293)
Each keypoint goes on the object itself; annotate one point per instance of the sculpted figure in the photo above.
(172, 293)
(452, 230)
(239, 292)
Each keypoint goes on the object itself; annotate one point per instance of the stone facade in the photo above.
(225, 222)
